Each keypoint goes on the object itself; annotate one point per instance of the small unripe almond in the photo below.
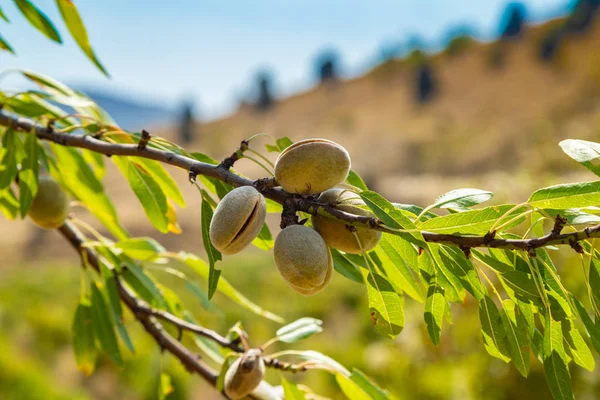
(311, 166)
(335, 233)
(244, 375)
(237, 220)
(303, 259)
(50, 205)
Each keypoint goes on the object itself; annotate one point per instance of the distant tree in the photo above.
(550, 43)
(426, 84)
(327, 66)
(265, 98)
(513, 21)
(457, 40)
(186, 122)
(582, 16)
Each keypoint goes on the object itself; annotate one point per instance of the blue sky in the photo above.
(210, 50)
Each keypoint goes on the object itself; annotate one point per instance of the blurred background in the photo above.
(427, 96)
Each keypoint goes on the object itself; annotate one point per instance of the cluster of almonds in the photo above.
(302, 255)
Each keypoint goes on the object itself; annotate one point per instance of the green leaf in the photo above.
(555, 361)
(453, 261)
(4, 45)
(141, 248)
(141, 282)
(103, 326)
(368, 386)
(166, 182)
(299, 330)
(224, 287)
(474, 222)
(386, 306)
(291, 391)
(435, 306)
(114, 301)
(351, 389)
(283, 143)
(461, 198)
(496, 259)
(591, 328)
(3, 16)
(492, 330)
(83, 339)
(516, 329)
(76, 175)
(578, 348)
(165, 387)
(584, 152)
(38, 19)
(271, 148)
(264, 240)
(213, 254)
(151, 196)
(75, 25)
(345, 267)
(571, 195)
(315, 356)
(523, 285)
(28, 175)
(9, 205)
(401, 254)
(8, 164)
(355, 180)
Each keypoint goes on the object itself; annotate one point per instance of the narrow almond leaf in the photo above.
(291, 391)
(114, 301)
(592, 329)
(460, 267)
(165, 387)
(516, 329)
(28, 175)
(474, 222)
(394, 250)
(77, 176)
(368, 386)
(351, 389)
(8, 163)
(141, 248)
(83, 339)
(148, 192)
(283, 143)
(386, 306)
(584, 152)
(264, 240)
(578, 348)
(492, 330)
(9, 205)
(224, 287)
(435, 307)
(103, 326)
(213, 254)
(162, 177)
(4, 45)
(345, 267)
(355, 180)
(555, 361)
(571, 195)
(38, 19)
(3, 16)
(461, 198)
(75, 25)
(299, 329)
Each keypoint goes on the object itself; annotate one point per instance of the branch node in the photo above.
(288, 215)
(531, 251)
(466, 251)
(192, 176)
(144, 140)
(239, 153)
(559, 224)
(491, 235)
(575, 245)
(264, 184)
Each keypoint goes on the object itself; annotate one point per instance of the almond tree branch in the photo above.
(191, 361)
(290, 201)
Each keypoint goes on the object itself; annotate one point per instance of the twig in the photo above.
(144, 139)
(295, 202)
